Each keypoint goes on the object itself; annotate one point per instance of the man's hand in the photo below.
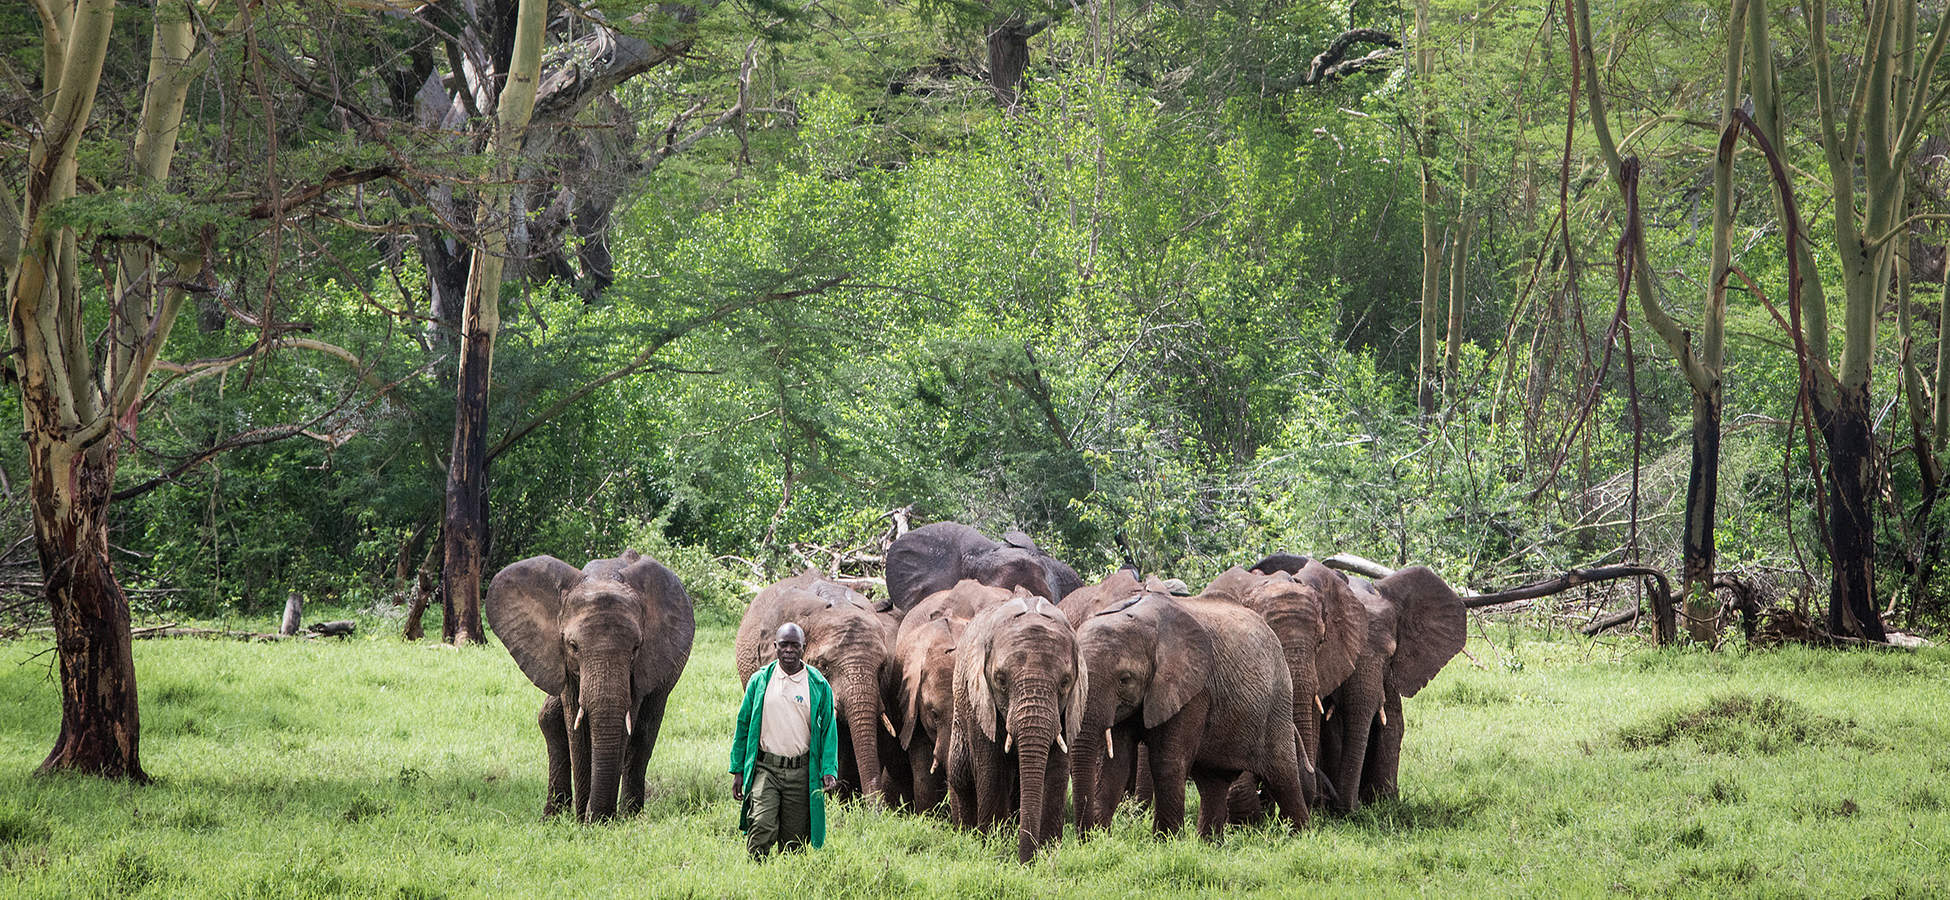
(737, 786)
(829, 783)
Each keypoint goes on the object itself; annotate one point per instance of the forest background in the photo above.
(1162, 284)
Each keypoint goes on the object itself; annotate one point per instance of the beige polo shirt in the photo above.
(786, 726)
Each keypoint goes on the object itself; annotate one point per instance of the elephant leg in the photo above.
(992, 786)
(555, 736)
(897, 776)
(1172, 746)
(1213, 786)
(649, 720)
(1168, 771)
(849, 767)
(1119, 773)
(1378, 779)
(1140, 787)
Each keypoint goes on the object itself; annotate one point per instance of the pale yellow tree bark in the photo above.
(1426, 373)
(76, 408)
(462, 554)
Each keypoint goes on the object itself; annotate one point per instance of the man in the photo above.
(785, 741)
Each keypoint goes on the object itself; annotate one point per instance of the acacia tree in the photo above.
(80, 396)
(1866, 143)
(1701, 359)
(537, 102)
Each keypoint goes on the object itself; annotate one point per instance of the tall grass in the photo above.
(1533, 767)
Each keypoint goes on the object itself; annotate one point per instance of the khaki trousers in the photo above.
(781, 816)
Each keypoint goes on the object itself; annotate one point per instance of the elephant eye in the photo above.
(573, 647)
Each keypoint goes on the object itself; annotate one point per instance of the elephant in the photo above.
(933, 557)
(607, 643)
(1322, 628)
(1020, 686)
(850, 644)
(924, 697)
(1203, 685)
(1416, 624)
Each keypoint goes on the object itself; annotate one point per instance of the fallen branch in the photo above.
(171, 631)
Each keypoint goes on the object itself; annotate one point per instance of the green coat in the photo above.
(824, 753)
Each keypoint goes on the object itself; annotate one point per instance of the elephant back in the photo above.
(829, 612)
(1090, 599)
(929, 559)
(966, 600)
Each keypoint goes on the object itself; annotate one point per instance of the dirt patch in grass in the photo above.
(1737, 724)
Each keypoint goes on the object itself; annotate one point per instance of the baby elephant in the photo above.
(606, 643)
(1019, 690)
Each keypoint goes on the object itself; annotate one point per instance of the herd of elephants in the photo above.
(992, 679)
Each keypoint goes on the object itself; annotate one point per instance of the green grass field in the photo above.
(1533, 767)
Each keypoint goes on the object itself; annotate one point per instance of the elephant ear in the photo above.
(1062, 579)
(1183, 657)
(929, 559)
(972, 666)
(669, 623)
(1344, 622)
(1431, 626)
(523, 606)
(1290, 563)
(1079, 689)
(914, 674)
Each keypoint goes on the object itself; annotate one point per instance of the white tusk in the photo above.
(629, 722)
(934, 765)
(1007, 739)
(889, 725)
(1326, 714)
(1319, 706)
(1384, 718)
(1061, 745)
(579, 714)
(1308, 760)
(1110, 746)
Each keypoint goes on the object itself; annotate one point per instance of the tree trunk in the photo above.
(1426, 373)
(1848, 431)
(1702, 498)
(99, 717)
(466, 512)
(1008, 48)
(466, 525)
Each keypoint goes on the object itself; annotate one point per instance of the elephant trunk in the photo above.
(605, 707)
(1355, 707)
(1032, 721)
(859, 701)
(1087, 761)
